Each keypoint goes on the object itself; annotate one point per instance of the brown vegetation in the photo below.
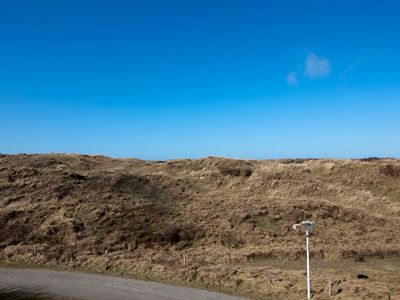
(212, 222)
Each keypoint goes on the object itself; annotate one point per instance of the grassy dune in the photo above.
(217, 223)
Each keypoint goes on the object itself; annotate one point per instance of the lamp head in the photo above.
(308, 225)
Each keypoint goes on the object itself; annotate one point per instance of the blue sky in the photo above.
(173, 79)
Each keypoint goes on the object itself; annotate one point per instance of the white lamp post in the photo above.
(307, 225)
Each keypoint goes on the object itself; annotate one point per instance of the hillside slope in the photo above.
(212, 222)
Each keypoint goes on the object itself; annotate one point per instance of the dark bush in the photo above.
(7, 216)
(289, 161)
(14, 233)
(235, 171)
(176, 234)
(61, 191)
(228, 239)
(367, 159)
(390, 170)
(77, 226)
(22, 173)
(134, 184)
(77, 176)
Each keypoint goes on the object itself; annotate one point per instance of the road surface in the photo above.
(97, 287)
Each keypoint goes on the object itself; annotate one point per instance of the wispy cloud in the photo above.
(350, 67)
(291, 78)
(316, 67)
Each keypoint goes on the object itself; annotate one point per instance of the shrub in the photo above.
(14, 233)
(228, 239)
(235, 171)
(367, 159)
(175, 235)
(390, 170)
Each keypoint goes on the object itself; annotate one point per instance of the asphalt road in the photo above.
(97, 287)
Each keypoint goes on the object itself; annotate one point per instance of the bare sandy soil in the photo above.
(213, 223)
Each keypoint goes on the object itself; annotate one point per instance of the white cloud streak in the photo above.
(350, 67)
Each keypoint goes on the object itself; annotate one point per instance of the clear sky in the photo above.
(173, 79)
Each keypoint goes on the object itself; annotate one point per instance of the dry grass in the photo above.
(213, 222)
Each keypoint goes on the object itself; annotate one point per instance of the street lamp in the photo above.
(307, 225)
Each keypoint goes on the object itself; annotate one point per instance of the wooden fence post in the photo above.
(225, 269)
(269, 277)
(329, 287)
